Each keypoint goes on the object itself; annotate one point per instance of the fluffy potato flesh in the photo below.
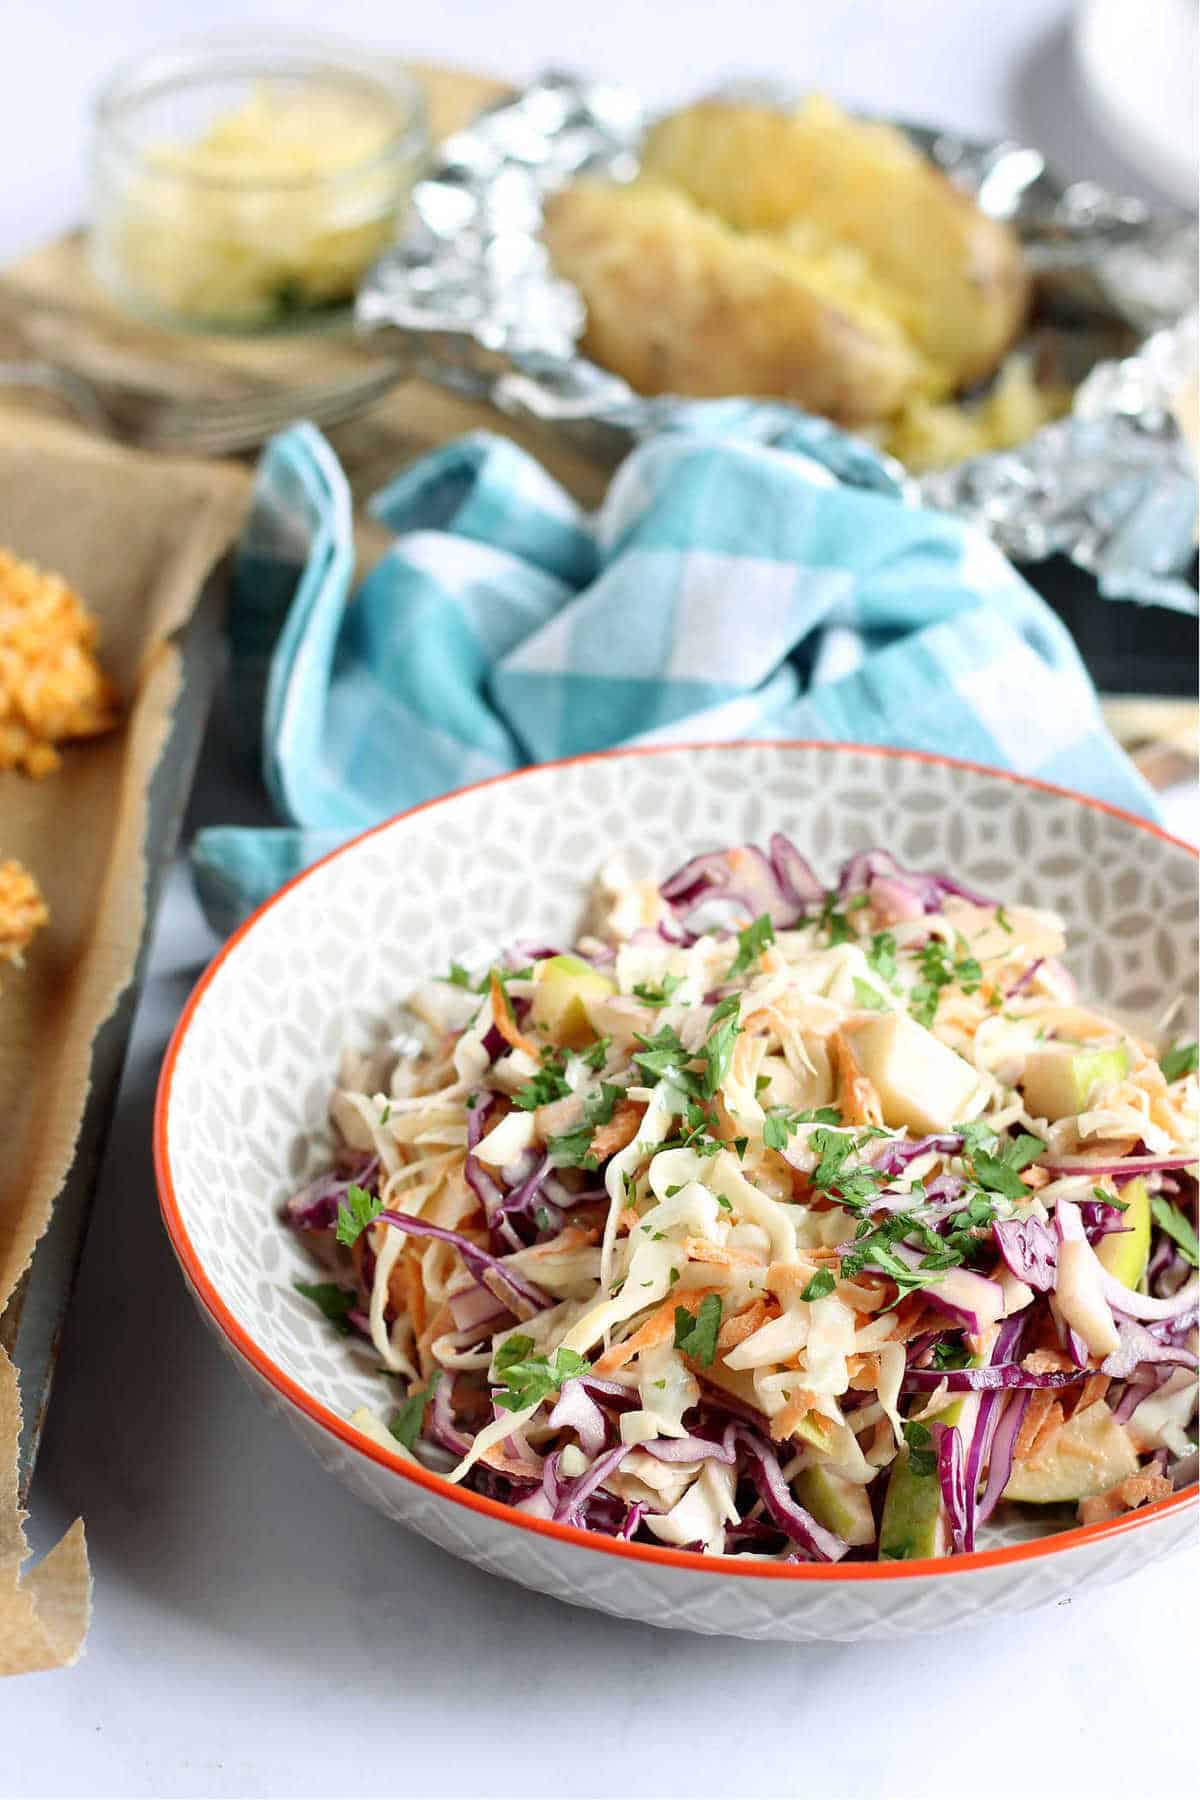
(678, 302)
(955, 278)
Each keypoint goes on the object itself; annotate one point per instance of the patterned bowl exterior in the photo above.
(241, 1108)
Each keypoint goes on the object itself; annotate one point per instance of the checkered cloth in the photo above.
(753, 574)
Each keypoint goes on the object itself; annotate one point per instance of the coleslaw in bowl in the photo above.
(239, 1136)
(775, 1219)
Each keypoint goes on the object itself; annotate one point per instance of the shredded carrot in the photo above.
(406, 1290)
(856, 1097)
(701, 1251)
(863, 1370)
(572, 1237)
(914, 1317)
(621, 1129)
(1051, 1425)
(793, 1414)
(867, 1294)
(657, 1329)
(628, 1219)
(497, 1457)
(506, 1025)
(1046, 1362)
(1134, 1491)
(782, 1277)
(1094, 1388)
(442, 1321)
(744, 1324)
(1036, 1413)
(758, 1022)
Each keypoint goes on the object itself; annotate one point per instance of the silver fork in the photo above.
(217, 425)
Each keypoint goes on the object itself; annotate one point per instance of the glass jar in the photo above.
(247, 183)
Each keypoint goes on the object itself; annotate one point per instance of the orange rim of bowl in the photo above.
(689, 1560)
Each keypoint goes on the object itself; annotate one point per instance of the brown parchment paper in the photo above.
(137, 536)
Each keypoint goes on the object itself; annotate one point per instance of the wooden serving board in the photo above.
(52, 309)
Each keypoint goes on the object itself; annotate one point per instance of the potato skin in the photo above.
(959, 276)
(678, 303)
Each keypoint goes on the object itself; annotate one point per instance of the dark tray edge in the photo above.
(31, 1326)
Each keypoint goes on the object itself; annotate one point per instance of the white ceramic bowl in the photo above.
(241, 1108)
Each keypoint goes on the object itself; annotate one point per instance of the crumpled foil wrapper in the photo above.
(469, 295)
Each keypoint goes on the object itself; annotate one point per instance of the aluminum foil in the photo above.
(470, 295)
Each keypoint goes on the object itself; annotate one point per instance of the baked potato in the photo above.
(680, 302)
(956, 278)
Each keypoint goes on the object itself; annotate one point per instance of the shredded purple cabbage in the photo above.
(777, 1496)
(1030, 1251)
(507, 1283)
(952, 1477)
(315, 1207)
(528, 1200)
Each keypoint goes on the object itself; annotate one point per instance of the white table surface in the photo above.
(258, 1632)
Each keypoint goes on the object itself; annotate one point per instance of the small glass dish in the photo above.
(247, 183)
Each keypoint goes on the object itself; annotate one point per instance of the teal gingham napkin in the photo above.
(752, 574)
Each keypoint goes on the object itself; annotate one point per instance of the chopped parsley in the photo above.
(659, 994)
(572, 1149)
(1000, 1173)
(951, 1354)
(596, 1055)
(548, 1085)
(975, 1136)
(854, 1187)
(355, 1213)
(868, 996)
(993, 1173)
(406, 1426)
(335, 1302)
(873, 1248)
(939, 970)
(751, 944)
(882, 958)
(922, 1458)
(461, 978)
(781, 1122)
(1176, 1226)
(663, 1056)
(695, 1134)
(528, 1380)
(718, 1046)
(822, 1283)
(960, 1235)
(833, 918)
(1002, 920)
(1180, 1059)
(697, 1337)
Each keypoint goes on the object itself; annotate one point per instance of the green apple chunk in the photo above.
(563, 986)
(921, 1082)
(1059, 1079)
(1088, 1456)
(836, 1503)
(914, 1516)
(1125, 1253)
